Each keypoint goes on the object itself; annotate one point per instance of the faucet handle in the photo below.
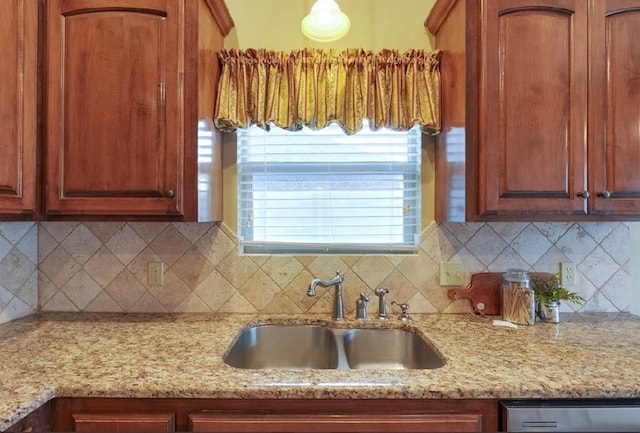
(405, 311)
(381, 291)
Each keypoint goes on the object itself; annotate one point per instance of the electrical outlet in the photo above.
(155, 273)
(451, 274)
(567, 274)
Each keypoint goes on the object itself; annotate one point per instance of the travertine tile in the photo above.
(15, 270)
(372, 269)
(147, 304)
(259, 290)
(125, 289)
(486, 245)
(81, 244)
(282, 269)
(531, 244)
(81, 289)
(14, 231)
(170, 245)
(103, 266)
(215, 290)
(125, 244)
(103, 304)
(172, 293)
(195, 253)
(5, 247)
(576, 243)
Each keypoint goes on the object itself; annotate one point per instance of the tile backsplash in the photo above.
(68, 266)
(18, 270)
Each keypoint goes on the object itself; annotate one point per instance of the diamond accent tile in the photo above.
(215, 245)
(508, 231)
(259, 290)
(5, 247)
(553, 231)
(440, 245)
(81, 244)
(531, 244)
(215, 291)
(598, 230)
(126, 290)
(81, 289)
(598, 267)
(282, 269)
(372, 270)
(576, 244)
(618, 244)
(103, 266)
(59, 230)
(59, 267)
(170, 245)
(486, 245)
(193, 267)
(193, 231)
(149, 230)
(172, 293)
(125, 244)
(237, 269)
(418, 269)
(508, 258)
(16, 270)
(14, 231)
(103, 230)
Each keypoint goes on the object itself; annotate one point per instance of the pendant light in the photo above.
(326, 22)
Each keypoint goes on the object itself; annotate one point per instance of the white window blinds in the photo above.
(311, 192)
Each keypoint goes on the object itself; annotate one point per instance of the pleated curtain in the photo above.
(314, 87)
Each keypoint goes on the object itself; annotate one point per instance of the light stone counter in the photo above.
(126, 355)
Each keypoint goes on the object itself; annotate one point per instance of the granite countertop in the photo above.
(150, 356)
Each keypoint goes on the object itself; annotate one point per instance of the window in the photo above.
(311, 192)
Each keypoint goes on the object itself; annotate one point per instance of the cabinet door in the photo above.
(18, 108)
(115, 135)
(532, 108)
(614, 108)
(335, 423)
(122, 422)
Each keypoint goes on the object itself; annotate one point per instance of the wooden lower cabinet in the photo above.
(415, 423)
(124, 422)
(273, 416)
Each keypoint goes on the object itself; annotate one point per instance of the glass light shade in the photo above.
(326, 22)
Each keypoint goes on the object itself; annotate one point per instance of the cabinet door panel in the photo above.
(123, 422)
(614, 120)
(335, 423)
(533, 108)
(18, 105)
(115, 141)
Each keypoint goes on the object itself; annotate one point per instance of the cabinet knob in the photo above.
(169, 194)
(604, 194)
(583, 194)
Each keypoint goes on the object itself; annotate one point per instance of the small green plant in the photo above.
(548, 290)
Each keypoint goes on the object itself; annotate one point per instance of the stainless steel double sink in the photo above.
(319, 347)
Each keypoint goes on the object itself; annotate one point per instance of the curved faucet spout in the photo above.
(338, 305)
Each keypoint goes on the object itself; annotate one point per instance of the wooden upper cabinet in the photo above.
(614, 108)
(18, 108)
(551, 120)
(532, 111)
(115, 113)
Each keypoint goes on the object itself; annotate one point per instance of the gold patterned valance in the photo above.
(313, 87)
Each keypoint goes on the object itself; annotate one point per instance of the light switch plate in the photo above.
(451, 274)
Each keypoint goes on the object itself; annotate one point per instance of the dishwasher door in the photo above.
(571, 415)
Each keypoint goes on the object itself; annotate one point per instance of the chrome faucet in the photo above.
(338, 304)
(382, 306)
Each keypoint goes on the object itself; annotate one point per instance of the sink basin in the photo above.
(284, 346)
(313, 346)
(388, 349)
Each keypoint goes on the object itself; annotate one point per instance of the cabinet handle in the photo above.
(604, 194)
(169, 194)
(583, 194)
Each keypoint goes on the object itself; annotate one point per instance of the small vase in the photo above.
(549, 313)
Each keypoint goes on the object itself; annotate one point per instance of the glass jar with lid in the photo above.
(518, 303)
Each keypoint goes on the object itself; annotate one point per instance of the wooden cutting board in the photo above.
(484, 291)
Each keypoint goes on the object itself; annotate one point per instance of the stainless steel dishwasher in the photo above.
(571, 415)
